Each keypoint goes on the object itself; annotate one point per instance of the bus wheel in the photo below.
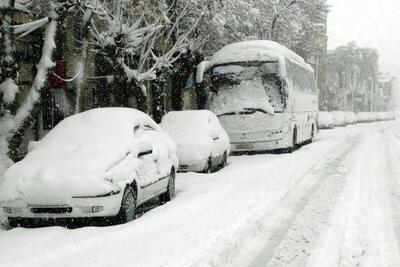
(312, 133)
(294, 141)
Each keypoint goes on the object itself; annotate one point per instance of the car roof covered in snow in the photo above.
(187, 119)
(101, 125)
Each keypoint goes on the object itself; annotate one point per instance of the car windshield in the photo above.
(240, 88)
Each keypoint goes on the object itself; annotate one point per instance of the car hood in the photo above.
(60, 174)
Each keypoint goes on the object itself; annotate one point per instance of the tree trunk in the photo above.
(8, 66)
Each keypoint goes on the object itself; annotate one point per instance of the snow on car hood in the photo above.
(61, 174)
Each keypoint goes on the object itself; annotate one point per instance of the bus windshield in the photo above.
(246, 89)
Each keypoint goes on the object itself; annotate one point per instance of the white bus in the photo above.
(264, 94)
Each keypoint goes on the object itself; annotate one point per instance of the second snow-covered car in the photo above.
(100, 163)
(339, 118)
(202, 143)
(325, 120)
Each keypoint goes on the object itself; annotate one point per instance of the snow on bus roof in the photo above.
(247, 51)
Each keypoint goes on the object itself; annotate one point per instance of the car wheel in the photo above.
(208, 168)
(21, 222)
(167, 196)
(312, 133)
(127, 212)
(13, 223)
(224, 160)
(293, 147)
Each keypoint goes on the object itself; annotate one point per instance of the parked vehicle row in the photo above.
(105, 162)
(329, 120)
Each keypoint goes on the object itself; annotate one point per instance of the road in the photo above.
(332, 203)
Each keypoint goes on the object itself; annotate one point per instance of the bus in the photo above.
(264, 95)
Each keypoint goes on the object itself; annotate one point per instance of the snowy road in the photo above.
(332, 203)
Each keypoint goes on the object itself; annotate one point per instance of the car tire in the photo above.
(224, 160)
(312, 133)
(127, 211)
(208, 168)
(167, 196)
(14, 223)
(293, 146)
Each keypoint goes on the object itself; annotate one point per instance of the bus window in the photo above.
(274, 90)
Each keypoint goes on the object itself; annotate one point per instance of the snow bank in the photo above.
(212, 220)
(84, 152)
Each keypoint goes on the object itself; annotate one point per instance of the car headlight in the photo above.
(12, 210)
(92, 209)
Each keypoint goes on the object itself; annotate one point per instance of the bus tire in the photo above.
(312, 133)
(293, 145)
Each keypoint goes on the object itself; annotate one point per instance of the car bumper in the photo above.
(192, 167)
(85, 207)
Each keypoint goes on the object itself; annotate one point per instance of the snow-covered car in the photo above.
(338, 118)
(373, 116)
(363, 117)
(382, 116)
(202, 143)
(99, 163)
(350, 117)
(325, 120)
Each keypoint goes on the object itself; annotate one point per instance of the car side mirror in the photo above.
(144, 153)
(136, 128)
(214, 134)
(145, 148)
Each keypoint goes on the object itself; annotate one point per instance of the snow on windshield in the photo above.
(246, 88)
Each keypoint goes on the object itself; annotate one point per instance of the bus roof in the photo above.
(247, 51)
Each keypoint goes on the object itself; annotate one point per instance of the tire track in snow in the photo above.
(361, 231)
(275, 229)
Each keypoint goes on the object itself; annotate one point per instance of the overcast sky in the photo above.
(372, 23)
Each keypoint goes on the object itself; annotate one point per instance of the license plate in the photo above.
(244, 146)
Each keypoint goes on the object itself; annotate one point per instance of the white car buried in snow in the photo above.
(100, 163)
(339, 118)
(202, 143)
(325, 120)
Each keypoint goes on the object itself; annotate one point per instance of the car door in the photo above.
(155, 177)
(216, 138)
(148, 174)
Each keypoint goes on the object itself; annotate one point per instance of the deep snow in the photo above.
(332, 203)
